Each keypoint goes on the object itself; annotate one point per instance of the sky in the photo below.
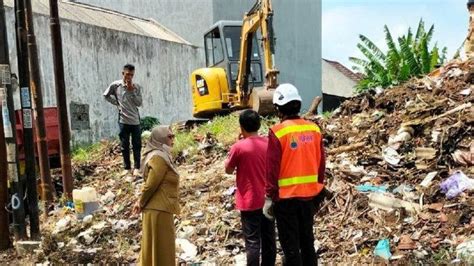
(344, 20)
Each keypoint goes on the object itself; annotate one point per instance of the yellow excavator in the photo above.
(233, 77)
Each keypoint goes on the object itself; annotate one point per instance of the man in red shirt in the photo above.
(294, 177)
(248, 156)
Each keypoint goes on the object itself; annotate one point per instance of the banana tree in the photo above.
(410, 56)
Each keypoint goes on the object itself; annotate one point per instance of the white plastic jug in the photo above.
(85, 201)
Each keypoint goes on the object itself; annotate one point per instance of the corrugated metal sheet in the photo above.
(106, 18)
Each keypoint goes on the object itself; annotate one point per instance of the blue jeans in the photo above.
(135, 132)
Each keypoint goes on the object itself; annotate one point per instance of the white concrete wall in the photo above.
(336, 83)
(93, 57)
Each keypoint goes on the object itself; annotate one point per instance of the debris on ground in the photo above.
(404, 176)
(399, 166)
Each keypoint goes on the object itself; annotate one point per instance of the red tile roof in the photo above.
(344, 70)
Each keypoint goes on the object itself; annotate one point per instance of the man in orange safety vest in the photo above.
(294, 177)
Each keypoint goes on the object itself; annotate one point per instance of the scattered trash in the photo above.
(423, 153)
(403, 134)
(465, 251)
(424, 132)
(188, 251)
(383, 249)
(377, 115)
(428, 179)
(121, 225)
(436, 206)
(198, 214)
(99, 226)
(371, 188)
(389, 203)
(62, 225)
(402, 189)
(108, 197)
(240, 260)
(406, 243)
(391, 156)
(464, 156)
(85, 201)
(456, 184)
(87, 219)
(230, 191)
(369, 176)
(86, 236)
(27, 248)
(465, 92)
(420, 254)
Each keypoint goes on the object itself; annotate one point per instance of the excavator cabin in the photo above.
(234, 74)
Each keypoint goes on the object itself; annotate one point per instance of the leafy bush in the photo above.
(148, 122)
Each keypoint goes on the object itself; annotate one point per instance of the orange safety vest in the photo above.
(300, 142)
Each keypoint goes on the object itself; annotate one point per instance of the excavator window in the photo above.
(214, 49)
(232, 42)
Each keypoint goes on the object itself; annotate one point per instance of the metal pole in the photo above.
(10, 132)
(4, 232)
(61, 102)
(26, 107)
(35, 84)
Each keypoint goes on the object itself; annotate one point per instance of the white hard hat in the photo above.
(285, 93)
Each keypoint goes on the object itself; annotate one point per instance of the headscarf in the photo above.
(157, 146)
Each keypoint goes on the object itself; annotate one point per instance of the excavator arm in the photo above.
(259, 17)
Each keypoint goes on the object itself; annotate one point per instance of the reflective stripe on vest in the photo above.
(297, 180)
(296, 129)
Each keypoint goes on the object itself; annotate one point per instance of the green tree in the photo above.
(409, 57)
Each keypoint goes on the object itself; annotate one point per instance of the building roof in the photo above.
(106, 18)
(356, 77)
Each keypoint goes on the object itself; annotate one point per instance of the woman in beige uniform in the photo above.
(159, 200)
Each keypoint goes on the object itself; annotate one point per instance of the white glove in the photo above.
(268, 209)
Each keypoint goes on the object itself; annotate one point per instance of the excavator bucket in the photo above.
(262, 101)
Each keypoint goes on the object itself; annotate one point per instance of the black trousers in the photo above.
(295, 231)
(135, 132)
(259, 233)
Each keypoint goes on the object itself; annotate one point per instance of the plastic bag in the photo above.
(456, 184)
(383, 249)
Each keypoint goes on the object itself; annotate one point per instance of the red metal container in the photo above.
(52, 132)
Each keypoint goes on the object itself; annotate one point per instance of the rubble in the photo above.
(388, 154)
(423, 139)
(27, 247)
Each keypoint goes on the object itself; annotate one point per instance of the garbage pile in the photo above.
(400, 166)
(208, 227)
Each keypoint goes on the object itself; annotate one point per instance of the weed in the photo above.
(327, 114)
(225, 129)
(184, 140)
(441, 257)
(84, 153)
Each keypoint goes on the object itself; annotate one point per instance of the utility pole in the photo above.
(26, 107)
(35, 84)
(10, 132)
(61, 102)
(4, 231)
